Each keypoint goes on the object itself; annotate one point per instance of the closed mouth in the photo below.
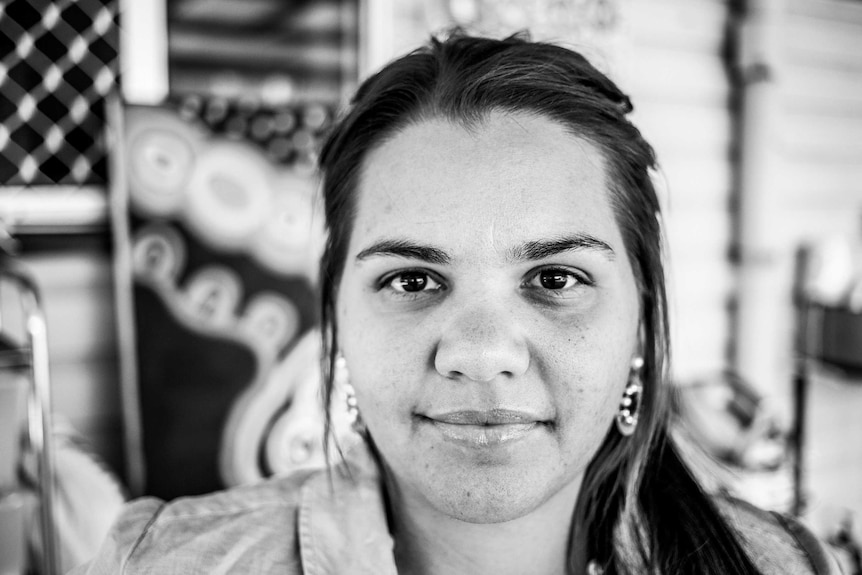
(484, 428)
(485, 417)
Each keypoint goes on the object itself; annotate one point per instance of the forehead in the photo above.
(505, 179)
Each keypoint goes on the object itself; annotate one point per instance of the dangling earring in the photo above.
(627, 416)
(341, 378)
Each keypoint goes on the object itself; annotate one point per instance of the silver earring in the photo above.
(341, 379)
(627, 416)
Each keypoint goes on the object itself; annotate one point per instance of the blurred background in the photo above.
(157, 195)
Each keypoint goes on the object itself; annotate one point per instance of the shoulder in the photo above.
(249, 529)
(777, 543)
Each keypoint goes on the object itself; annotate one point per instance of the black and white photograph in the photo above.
(431, 287)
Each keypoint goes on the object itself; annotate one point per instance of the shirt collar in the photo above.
(342, 519)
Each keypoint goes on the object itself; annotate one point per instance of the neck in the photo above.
(429, 542)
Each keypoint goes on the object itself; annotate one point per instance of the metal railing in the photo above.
(34, 348)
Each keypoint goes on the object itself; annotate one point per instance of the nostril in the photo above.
(481, 340)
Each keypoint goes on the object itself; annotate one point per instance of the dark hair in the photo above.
(637, 493)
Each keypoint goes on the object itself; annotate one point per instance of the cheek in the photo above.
(586, 412)
(587, 402)
(384, 364)
(587, 376)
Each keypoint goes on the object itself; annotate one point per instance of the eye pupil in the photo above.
(553, 280)
(413, 282)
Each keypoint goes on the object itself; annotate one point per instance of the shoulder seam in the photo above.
(177, 509)
(144, 532)
(228, 512)
(807, 544)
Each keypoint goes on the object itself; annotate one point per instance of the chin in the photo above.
(487, 500)
(484, 513)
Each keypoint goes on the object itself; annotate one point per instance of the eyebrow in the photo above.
(405, 249)
(541, 249)
(529, 251)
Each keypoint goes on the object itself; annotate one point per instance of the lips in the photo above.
(485, 417)
(484, 428)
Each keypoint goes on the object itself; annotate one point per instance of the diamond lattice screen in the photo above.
(58, 60)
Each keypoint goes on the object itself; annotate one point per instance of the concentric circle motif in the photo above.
(229, 195)
(161, 156)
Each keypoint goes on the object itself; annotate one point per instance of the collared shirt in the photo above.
(330, 522)
(310, 523)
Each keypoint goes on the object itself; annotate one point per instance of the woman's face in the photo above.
(488, 313)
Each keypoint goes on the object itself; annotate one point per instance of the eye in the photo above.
(412, 282)
(555, 279)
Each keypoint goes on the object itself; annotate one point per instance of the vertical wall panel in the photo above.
(673, 68)
(810, 191)
(814, 185)
(821, 101)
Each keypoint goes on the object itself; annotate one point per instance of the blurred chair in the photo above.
(828, 332)
(828, 311)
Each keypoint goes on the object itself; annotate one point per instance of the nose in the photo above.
(481, 343)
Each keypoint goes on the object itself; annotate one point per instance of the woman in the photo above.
(493, 286)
